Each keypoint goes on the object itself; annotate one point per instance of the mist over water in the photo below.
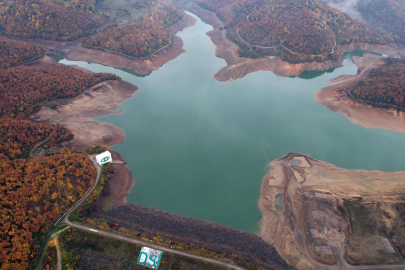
(200, 148)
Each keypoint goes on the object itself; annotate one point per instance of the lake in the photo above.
(200, 148)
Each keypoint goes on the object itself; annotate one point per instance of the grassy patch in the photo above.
(80, 248)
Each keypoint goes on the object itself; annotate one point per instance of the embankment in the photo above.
(199, 233)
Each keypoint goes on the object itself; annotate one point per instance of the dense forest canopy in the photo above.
(18, 136)
(14, 53)
(384, 85)
(47, 19)
(138, 40)
(36, 192)
(388, 15)
(306, 30)
(25, 89)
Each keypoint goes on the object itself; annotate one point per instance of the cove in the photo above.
(200, 148)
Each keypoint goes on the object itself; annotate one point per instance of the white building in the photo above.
(103, 158)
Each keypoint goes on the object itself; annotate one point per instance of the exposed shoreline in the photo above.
(337, 98)
(139, 66)
(75, 51)
(76, 115)
(296, 177)
(100, 100)
(238, 67)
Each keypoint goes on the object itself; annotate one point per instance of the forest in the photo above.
(384, 85)
(137, 40)
(47, 19)
(36, 191)
(14, 53)
(295, 30)
(25, 89)
(18, 136)
(388, 15)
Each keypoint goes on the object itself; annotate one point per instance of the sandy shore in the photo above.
(238, 67)
(139, 66)
(337, 98)
(297, 178)
(77, 114)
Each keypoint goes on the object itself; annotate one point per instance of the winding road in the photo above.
(272, 47)
(65, 220)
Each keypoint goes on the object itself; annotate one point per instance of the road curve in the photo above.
(65, 220)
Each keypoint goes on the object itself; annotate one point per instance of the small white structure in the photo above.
(103, 158)
(150, 257)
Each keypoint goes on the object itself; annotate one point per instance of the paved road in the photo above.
(59, 254)
(65, 220)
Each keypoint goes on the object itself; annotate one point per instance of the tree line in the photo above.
(14, 53)
(384, 85)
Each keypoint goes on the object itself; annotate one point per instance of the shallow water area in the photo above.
(200, 148)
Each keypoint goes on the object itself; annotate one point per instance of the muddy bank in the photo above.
(238, 67)
(199, 233)
(139, 66)
(117, 187)
(312, 190)
(76, 114)
(338, 99)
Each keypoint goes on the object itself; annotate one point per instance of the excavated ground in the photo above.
(317, 226)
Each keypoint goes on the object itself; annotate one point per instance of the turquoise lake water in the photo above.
(200, 148)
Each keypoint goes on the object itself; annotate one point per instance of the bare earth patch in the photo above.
(76, 114)
(313, 230)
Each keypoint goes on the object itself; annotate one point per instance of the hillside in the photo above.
(36, 191)
(388, 15)
(47, 19)
(14, 53)
(139, 39)
(295, 30)
(384, 85)
(25, 89)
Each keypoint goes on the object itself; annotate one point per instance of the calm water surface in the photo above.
(200, 148)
